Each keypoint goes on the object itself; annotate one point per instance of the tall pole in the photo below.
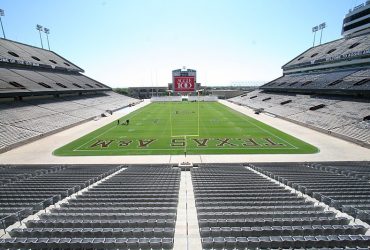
(47, 32)
(42, 45)
(2, 27)
(322, 27)
(314, 30)
(156, 81)
(39, 28)
(151, 79)
(47, 38)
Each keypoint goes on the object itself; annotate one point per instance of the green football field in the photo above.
(192, 127)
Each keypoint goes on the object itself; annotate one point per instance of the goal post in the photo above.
(174, 120)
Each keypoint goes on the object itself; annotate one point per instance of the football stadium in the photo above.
(285, 165)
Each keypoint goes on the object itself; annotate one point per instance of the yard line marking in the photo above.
(170, 149)
(228, 119)
(76, 149)
(245, 118)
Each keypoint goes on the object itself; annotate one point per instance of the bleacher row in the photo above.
(336, 185)
(24, 120)
(9, 174)
(359, 171)
(44, 186)
(239, 209)
(324, 53)
(134, 209)
(29, 81)
(344, 117)
(349, 80)
(22, 54)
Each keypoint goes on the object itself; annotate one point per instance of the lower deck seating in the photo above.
(22, 121)
(239, 209)
(238, 206)
(24, 197)
(335, 188)
(11, 173)
(360, 170)
(340, 116)
(135, 209)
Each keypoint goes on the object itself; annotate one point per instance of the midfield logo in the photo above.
(191, 143)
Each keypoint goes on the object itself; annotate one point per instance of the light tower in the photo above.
(322, 27)
(39, 28)
(2, 13)
(314, 30)
(47, 32)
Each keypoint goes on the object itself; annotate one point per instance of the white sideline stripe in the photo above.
(329, 148)
(93, 138)
(141, 109)
(156, 149)
(177, 136)
(244, 116)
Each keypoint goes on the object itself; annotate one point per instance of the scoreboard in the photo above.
(184, 83)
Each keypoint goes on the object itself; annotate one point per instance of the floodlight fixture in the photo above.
(40, 28)
(322, 26)
(317, 28)
(47, 32)
(2, 13)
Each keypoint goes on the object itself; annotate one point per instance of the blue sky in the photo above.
(138, 42)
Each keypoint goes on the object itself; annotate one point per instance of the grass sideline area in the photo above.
(173, 128)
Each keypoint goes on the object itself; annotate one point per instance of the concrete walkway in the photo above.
(187, 236)
(331, 148)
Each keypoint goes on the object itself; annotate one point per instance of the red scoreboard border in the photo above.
(184, 83)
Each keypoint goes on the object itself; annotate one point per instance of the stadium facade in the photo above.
(42, 93)
(356, 22)
(326, 88)
(269, 205)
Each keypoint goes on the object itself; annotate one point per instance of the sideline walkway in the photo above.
(40, 151)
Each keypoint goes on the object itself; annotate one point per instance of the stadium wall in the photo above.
(203, 98)
(166, 99)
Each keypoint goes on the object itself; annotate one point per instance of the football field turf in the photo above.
(195, 127)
